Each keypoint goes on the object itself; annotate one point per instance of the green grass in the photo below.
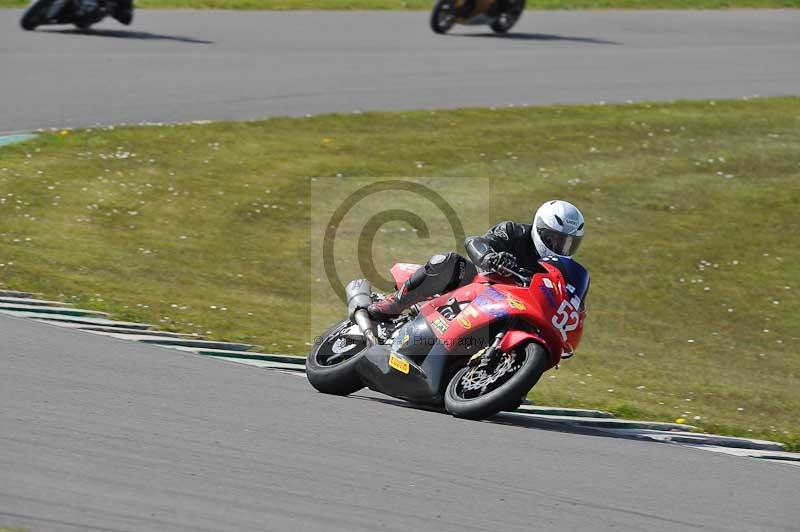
(693, 234)
(427, 4)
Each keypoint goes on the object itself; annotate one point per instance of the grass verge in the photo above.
(427, 4)
(693, 234)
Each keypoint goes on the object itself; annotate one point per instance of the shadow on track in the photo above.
(516, 420)
(537, 37)
(126, 34)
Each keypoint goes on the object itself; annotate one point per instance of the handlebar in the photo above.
(523, 276)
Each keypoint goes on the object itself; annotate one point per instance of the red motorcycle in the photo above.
(477, 350)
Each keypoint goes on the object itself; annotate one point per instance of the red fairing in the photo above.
(566, 314)
(402, 271)
(548, 307)
(515, 338)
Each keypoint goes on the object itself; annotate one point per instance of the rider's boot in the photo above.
(442, 273)
(410, 293)
(123, 11)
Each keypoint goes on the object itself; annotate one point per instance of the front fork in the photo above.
(484, 358)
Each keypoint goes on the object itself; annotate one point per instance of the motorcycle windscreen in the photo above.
(575, 275)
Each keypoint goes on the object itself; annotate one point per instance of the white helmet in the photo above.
(557, 229)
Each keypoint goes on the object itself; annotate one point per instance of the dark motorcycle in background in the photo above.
(500, 15)
(81, 13)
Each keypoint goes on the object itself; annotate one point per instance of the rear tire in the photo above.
(443, 16)
(507, 395)
(35, 15)
(328, 369)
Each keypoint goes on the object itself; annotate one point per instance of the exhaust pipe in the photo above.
(359, 297)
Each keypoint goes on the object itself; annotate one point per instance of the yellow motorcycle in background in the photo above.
(500, 15)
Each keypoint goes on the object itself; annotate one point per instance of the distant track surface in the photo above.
(104, 434)
(188, 65)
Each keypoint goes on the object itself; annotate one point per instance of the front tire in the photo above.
(507, 20)
(35, 15)
(330, 366)
(443, 16)
(474, 395)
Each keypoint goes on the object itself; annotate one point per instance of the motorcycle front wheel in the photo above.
(36, 15)
(330, 366)
(507, 20)
(478, 392)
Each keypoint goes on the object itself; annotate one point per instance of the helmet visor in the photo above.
(558, 242)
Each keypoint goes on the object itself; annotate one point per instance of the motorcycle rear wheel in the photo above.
(443, 16)
(461, 399)
(35, 15)
(330, 366)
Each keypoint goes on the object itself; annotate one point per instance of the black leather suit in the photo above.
(446, 271)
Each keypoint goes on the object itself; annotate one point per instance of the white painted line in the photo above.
(64, 311)
(575, 412)
(260, 363)
(784, 462)
(76, 319)
(195, 343)
(119, 330)
(288, 359)
(31, 301)
(605, 423)
(781, 457)
(699, 438)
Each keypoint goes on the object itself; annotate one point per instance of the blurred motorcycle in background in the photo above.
(82, 13)
(500, 15)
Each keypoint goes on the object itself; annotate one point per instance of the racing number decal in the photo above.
(566, 318)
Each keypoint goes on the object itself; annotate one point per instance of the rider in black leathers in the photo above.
(498, 7)
(559, 228)
(122, 10)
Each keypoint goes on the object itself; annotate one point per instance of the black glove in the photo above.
(494, 260)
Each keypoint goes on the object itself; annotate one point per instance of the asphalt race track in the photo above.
(182, 65)
(104, 434)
